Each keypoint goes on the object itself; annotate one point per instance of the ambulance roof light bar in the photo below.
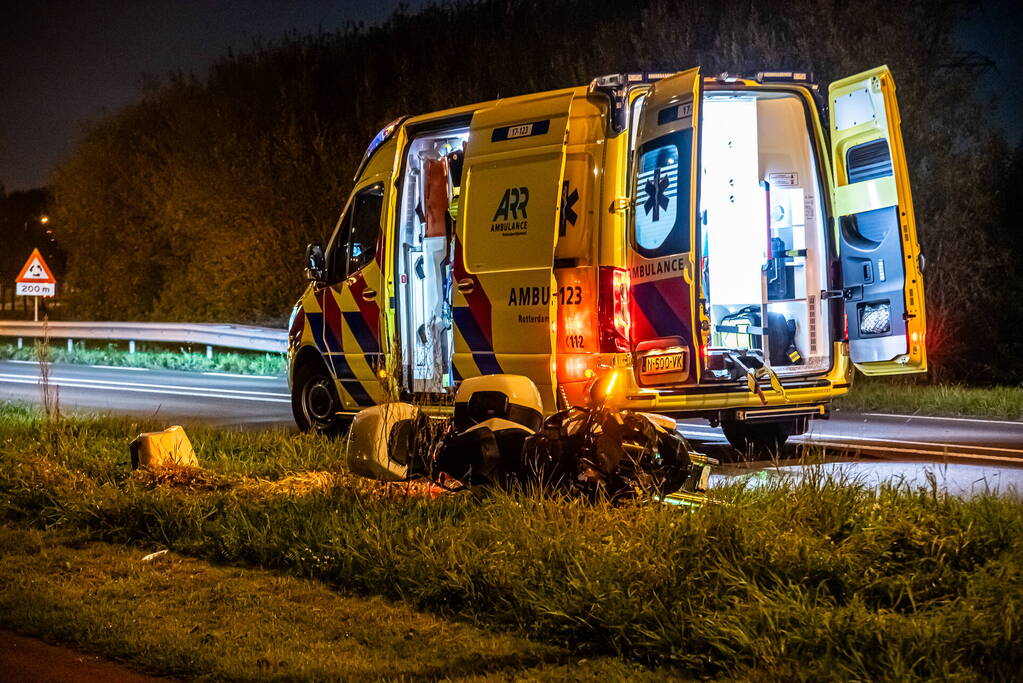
(769, 77)
(616, 86)
(627, 79)
(641, 77)
(785, 76)
(382, 136)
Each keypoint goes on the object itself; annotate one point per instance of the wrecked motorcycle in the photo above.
(498, 436)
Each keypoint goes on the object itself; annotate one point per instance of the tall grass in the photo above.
(826, 578)
(228, 624)
(910, 397)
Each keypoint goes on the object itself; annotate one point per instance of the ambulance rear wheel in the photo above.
(756, 440)
(315, 403)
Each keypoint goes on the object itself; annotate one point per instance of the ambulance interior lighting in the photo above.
(761, 232)
(733, 200)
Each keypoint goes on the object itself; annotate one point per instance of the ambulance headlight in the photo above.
(875, 319)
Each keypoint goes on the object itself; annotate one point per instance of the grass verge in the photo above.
(183, 617)
(825, 579)
(156, 359)
(904, 397)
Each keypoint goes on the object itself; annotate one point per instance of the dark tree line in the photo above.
(196, 203)
(24, 226)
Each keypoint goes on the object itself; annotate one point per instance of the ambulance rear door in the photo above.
(881, 268)
(506, 231)
(665, 171)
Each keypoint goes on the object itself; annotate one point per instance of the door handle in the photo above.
(369, 294)
(466, 285)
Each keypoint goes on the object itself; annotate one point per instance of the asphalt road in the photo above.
(898, 437)
(248, 401)
(213, 398)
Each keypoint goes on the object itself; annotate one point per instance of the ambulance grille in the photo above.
(868, 161)
(811, 327)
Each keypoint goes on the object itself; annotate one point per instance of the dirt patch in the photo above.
(198, 480)
(184, 478)
(28, 660)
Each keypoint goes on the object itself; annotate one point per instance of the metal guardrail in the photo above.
(221, 335)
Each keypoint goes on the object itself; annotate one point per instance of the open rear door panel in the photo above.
(883, 286)
(663, 234)
(506, 231)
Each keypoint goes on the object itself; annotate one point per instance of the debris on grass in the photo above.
(154, 556)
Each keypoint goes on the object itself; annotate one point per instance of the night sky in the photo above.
(68, 61)
(63, 63)
(996, 32)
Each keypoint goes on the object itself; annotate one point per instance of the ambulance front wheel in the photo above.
(760, 440)
(315, 403)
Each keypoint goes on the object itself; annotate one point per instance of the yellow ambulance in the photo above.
(732, 245)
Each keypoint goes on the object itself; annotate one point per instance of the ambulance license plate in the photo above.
(663, 363)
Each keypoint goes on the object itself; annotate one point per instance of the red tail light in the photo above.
(613, 317)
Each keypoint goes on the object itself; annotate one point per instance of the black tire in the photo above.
(314, 401)
(756, 440)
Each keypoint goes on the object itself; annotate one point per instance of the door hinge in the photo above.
(619, 205)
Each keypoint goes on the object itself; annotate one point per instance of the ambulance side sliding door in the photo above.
(505, 234)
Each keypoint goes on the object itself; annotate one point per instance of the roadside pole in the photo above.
(35, 280)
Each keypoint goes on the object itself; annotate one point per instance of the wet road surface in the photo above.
(256, 402)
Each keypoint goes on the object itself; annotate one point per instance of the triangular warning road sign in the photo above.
(36, 270)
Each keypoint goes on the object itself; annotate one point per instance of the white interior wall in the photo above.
(733, 200)
(785, 149)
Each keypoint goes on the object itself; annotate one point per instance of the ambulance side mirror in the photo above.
(315, 263)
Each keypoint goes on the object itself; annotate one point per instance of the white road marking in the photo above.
(917, 451)
(119, 367)
(231, 374)
(813, 437)
(27, 362)
(171, 390)
(837, 440)
(957, 419)
(708, 432)
(80, 380)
